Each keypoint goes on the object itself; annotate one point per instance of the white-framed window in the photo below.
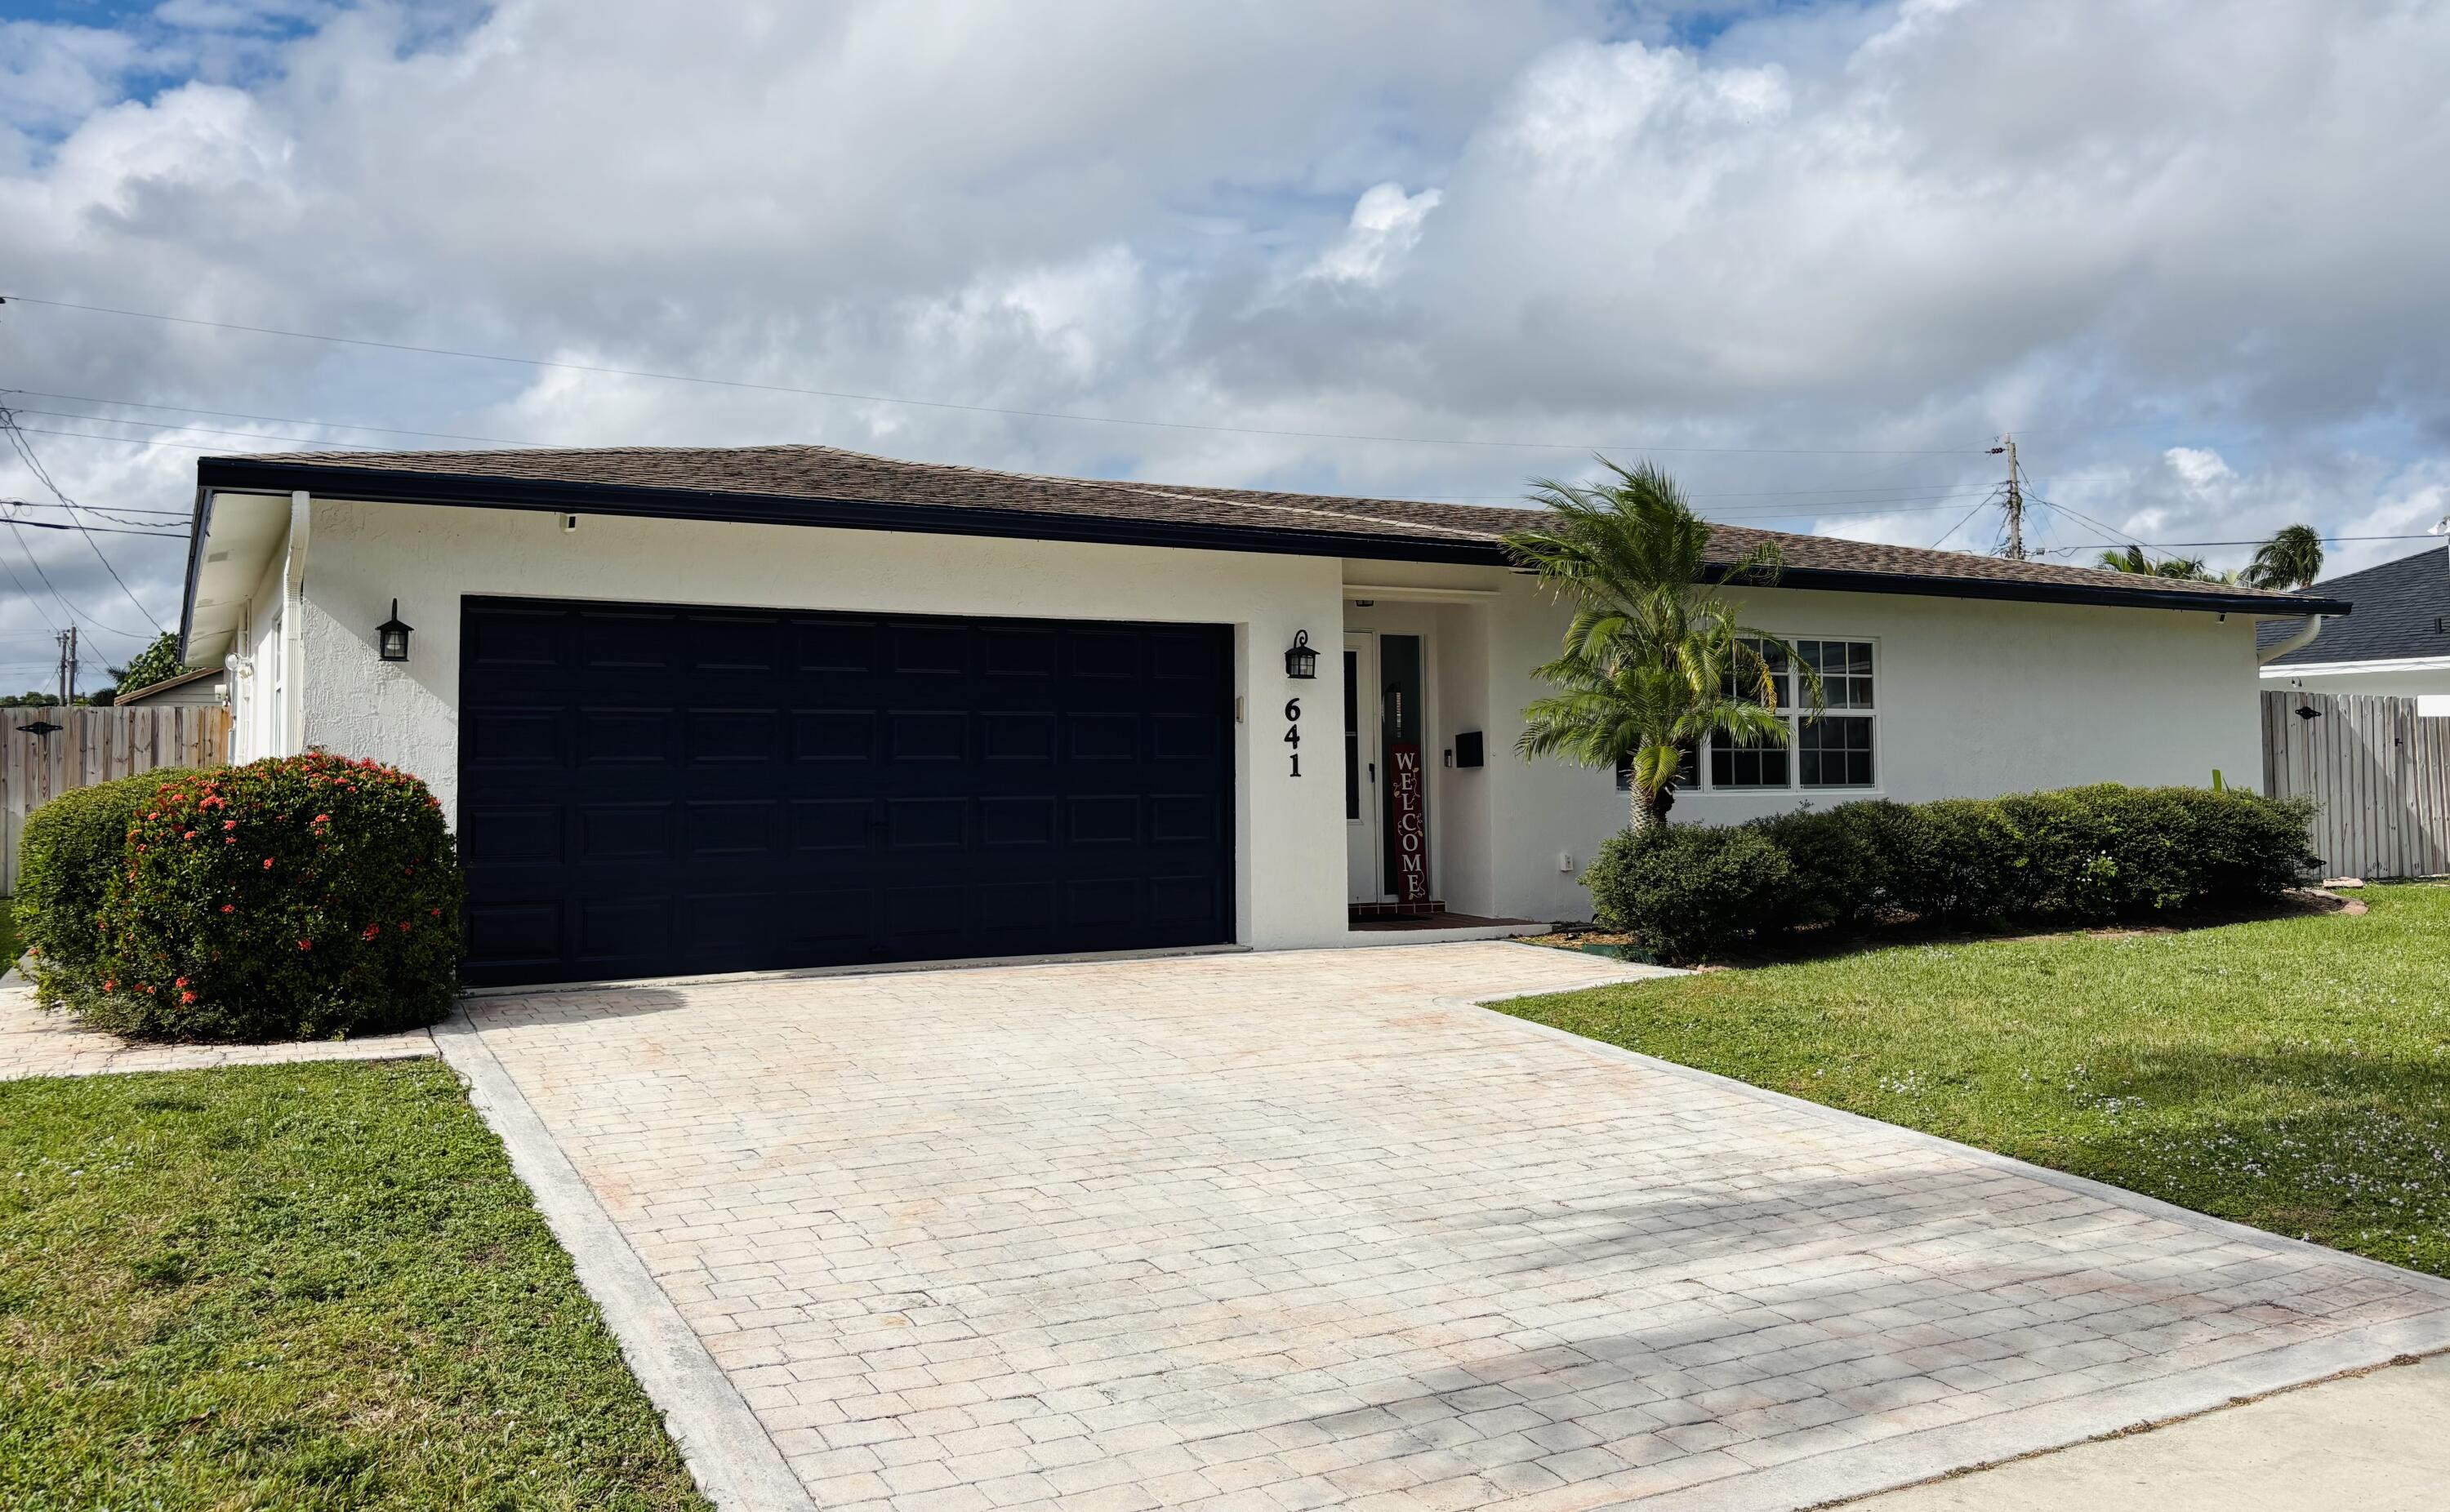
(1834, 751)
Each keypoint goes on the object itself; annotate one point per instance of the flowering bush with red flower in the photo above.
(255, 903)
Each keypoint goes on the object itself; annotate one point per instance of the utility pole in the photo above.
(72, 651)
(2015, 550)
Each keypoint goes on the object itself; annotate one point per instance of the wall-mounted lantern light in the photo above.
(390, 637)
(1300, 661)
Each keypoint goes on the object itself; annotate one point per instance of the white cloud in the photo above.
(2148, 239)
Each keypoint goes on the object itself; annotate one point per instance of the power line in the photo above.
(189, 425)
(272, 420)
(979, 409)
(1960, 524)
(24, 449)
(99, 530)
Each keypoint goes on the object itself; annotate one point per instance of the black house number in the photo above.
(1292, 732)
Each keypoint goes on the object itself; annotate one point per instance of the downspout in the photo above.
(2294, 642)
(293, 628)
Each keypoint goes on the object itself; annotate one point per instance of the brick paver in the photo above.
(34, 1043)
(1287, 1230)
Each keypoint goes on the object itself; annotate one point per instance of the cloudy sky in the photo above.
(1815, 257)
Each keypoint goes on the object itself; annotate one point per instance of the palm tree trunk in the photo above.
(1649, 810)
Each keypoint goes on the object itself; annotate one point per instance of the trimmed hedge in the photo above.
(1688, 890)
(303, 897)
(66, 858)
(2082, 854)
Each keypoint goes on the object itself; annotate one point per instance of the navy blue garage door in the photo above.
(651, 790)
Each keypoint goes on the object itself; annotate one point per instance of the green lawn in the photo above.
(2292, 1074)
(296, 1286)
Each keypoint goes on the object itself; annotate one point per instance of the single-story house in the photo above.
(702, 711)
(2397, 646)
(201, 684)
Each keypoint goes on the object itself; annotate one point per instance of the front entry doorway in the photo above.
(1361, 785)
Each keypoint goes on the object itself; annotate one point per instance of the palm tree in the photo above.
(2292, 558)
(1654, 660)
(2190, 569)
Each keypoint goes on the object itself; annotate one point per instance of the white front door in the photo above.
(1361, 758)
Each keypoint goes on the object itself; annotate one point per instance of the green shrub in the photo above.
(302, 896)
(1846, 859)
(66, 859)
(2081, 854)
(1691, 891)
(1962, 862)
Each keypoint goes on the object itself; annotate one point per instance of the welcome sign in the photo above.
(1409, 800)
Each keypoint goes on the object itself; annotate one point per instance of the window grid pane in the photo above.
(1836, 751)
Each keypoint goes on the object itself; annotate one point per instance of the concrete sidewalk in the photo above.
(2379, 1442)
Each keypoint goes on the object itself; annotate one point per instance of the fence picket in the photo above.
(2379, 773)
(93, 746)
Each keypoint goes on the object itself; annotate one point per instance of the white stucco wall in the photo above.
(1290, 850)
(1974, 698)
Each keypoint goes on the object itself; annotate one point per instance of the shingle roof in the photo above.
(2401, 608)
(937, 496)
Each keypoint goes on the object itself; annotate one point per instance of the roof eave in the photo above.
(394, 486)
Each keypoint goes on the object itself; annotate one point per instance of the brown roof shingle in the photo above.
(940, 495)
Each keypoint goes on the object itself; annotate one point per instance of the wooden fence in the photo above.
(93, 746)
(2378, 770)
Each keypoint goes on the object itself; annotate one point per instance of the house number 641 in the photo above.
(1292, 732)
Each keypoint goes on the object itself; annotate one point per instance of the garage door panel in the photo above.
(843, 646)
(929, 735)
(1102, 819)
(613, 930)
(510, 834)
(1015, 823)
(729, 735)
(652, 789)
(841, 824)
(929, 651)
(732, 826)
(926, 824)
(1017, 651)
(624, 832)
(513, 737)
(516, 935)
(626, 737)
(833, 735)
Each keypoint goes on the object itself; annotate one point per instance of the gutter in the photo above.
(2298, 642)
(393, 485)
(198, 527)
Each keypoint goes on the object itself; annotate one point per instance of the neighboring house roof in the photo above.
(2401, 608)
(138, 696)
(816, 485)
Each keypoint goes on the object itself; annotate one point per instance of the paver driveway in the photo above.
(1301, 1229)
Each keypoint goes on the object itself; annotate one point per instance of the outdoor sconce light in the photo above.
(1300, 661)
(390, 637)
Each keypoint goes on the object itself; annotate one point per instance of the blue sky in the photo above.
(1813, 256)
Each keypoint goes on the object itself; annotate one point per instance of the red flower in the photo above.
(108, 985)
(322, 819)
(186, 997)
(181, 982)
(229, 908)
(230, 824)
(305, 944)
(229, 839)
(267, 864)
